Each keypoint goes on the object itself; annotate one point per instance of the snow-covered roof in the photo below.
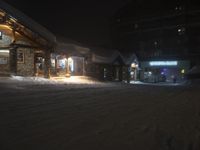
(130, 58)
(27, 22)
(62, 39)
(103, 55)
(70, 47)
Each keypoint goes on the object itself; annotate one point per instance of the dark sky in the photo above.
(86, 21)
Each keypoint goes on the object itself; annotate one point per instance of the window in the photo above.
(1, 35)
(4, 54)
(20, 56)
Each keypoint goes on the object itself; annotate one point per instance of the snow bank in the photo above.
(31, 79)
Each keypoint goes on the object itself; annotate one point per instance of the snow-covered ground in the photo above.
(58, 114)
(19, 82)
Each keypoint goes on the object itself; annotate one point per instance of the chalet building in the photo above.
(165, 35)
(28, 49)
(25, 46)
(108, 64)
(68, 58)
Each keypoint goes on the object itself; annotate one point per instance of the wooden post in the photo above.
(56, 64)
(35, 66)
(127, 74)
(13, 60)
(47, 64)
(13, 55)
(120, 73)
(135, 74)
(83, 61)
(67, 67)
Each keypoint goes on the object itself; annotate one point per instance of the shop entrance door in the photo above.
(39, 64)
(4, 62)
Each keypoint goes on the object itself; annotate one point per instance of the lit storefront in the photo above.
(25, 45)
(134, 71)
(68, 58)
(71, 66)
(164, 71)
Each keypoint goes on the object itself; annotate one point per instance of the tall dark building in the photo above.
(159, 30)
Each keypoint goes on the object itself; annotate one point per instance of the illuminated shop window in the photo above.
(4, 54)
(71, 64)
(1, 35)
(62, 63)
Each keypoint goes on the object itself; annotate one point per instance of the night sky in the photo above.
(85, 21)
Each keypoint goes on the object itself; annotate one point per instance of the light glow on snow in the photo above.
(74, 80)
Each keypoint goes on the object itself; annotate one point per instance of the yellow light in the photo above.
(183, 71)
(2, 26)
(133, 65)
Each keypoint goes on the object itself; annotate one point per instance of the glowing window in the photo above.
(4, 51)
(71, 64)
(0, 35)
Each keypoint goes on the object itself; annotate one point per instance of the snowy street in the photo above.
(52, 115)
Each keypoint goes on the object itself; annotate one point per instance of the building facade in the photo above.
(111, 65)
(23, 43)
(164, 70)
(68, 59)
(28, 49)
(159, 31)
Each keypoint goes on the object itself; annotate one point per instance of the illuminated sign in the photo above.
(163, 63)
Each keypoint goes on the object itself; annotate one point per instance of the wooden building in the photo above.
(68, 58)
(110, 65)
(71, 58)
(28, 49)
(25, 46)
